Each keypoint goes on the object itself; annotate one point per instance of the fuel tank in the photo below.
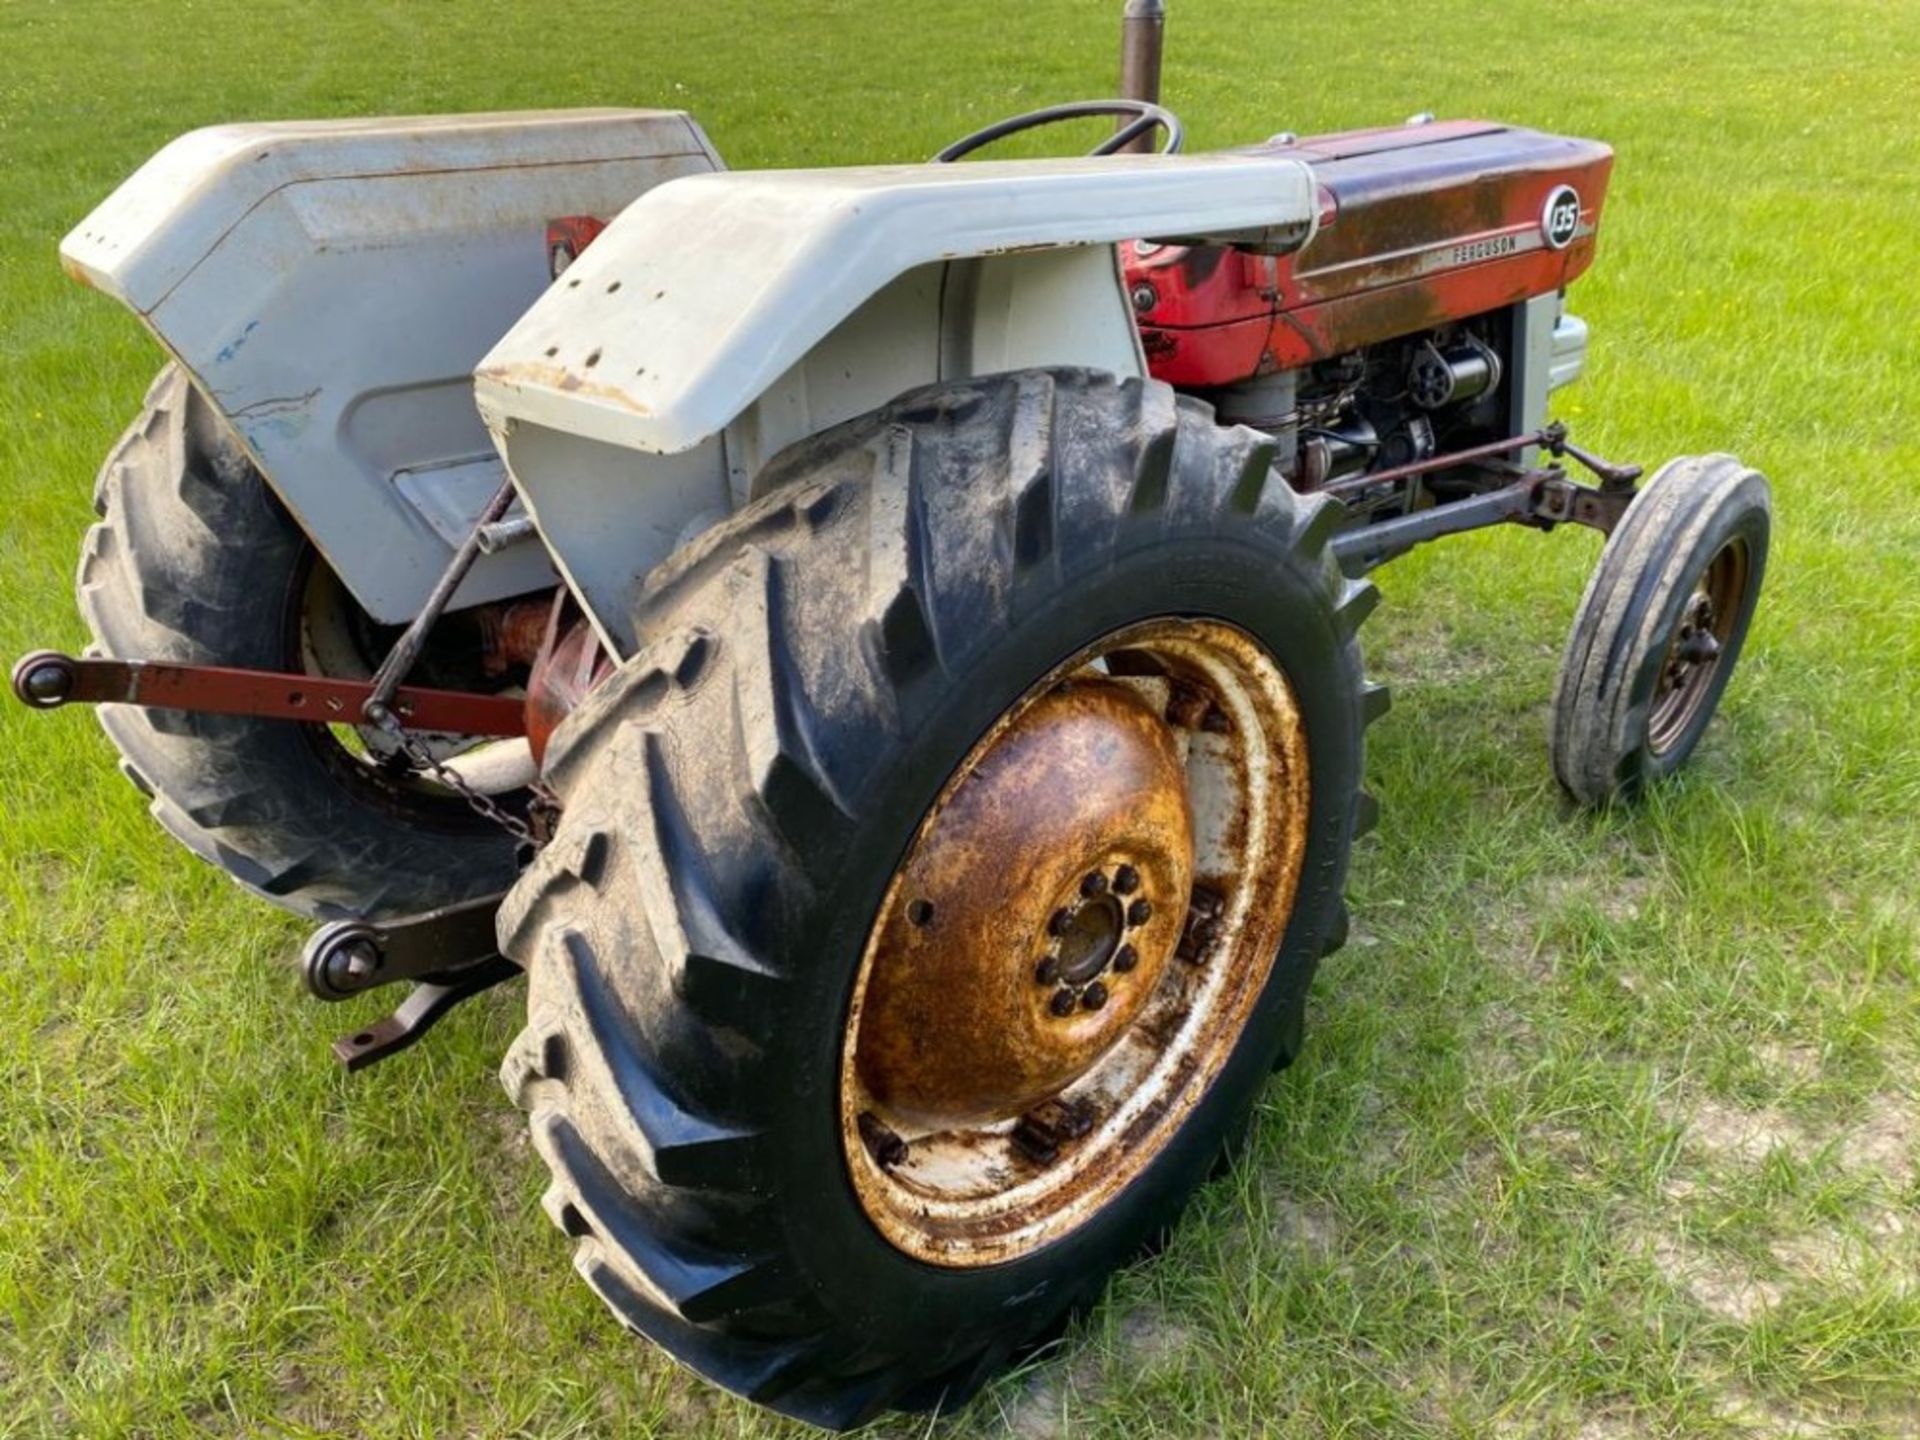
(1420, 225)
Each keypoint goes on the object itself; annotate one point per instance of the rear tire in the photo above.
(738, 797)
(1683, 569)
(194, 560)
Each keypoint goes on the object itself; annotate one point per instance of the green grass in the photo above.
(1606, 1127)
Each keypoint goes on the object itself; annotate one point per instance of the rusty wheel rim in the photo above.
(1071, 948)
(1693, 655)
(321, 639)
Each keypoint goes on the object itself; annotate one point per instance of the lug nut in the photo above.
(1126, 959)
(1062, 1003)
(1093, 883)
(1094, 996)
(1140, 911)
(1058, 922)
(1051, 1123)
(1126, 880)
(1048, 970)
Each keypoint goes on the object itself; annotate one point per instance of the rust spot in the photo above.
(75, 272)
(952, 1031)
(1015, 852)
(526, 375)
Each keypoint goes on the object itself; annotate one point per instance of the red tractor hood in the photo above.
(1419, 226)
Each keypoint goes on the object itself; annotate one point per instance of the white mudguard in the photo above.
(722, 317)
(330, 285)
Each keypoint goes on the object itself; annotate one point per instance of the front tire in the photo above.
(1660, 628)
(738, 799)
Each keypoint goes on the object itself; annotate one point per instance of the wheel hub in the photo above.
(1067, 954)
(1693, 655)
(1025, 934)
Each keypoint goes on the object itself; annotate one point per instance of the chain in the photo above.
(425, 760)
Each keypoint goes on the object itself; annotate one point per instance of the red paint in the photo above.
(1419, 226)
(568, 236)
(571, 664)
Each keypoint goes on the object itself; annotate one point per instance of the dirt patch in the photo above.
(1819, 1256)
(1884, 1145)
(1607, 1427)
(1522, 950)
(1726, 1288)
(1729, 1132)
(1800, 1063)
(1147, 1341)
(1565, 1144)
(1039, 1411)
(1875, 1253)
(1615, 898)
(1311, 1228)
(1884, 1142)
(1768, 1420)
(1152, 1341)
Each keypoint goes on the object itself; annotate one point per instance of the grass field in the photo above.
(1606, 1127)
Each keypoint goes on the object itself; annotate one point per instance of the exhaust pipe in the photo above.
(1143, 27)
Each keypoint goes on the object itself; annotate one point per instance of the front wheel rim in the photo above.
(1072, 947)
(1699, 646)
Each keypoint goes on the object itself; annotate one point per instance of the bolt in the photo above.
(1041, 1129)
(1700, 647)
(1144, 297)
(1033, 1139)
(352, 966)
(1094, 996)
(362, 960)
(1140, 911)
(1126, 959)
(1062, 1003)
(1126, 880)
(1093, 883)
(48, 683)
(887, 1148)
(1058, 922)
(1075, 1118)
(1198, 936)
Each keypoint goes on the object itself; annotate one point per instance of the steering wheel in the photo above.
(1147, 117)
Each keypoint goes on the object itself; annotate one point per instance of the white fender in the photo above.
(330, 286)
(706, 290)
(723, 317)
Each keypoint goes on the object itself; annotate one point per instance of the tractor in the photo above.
(875, 648)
